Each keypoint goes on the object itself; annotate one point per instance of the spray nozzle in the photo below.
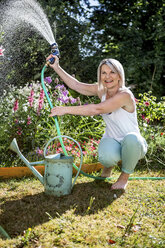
(54, 51)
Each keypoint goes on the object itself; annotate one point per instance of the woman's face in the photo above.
(109, 78)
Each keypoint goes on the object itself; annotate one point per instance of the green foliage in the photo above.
(132, 32)
(33, 128)
(151, 118)
(150, 110)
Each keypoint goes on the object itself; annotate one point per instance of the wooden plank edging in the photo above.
(18, 172)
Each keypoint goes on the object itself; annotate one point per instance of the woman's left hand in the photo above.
(58, 111)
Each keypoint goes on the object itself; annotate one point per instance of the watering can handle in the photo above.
(65, 152)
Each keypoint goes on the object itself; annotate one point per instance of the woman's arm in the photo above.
(110, 105)
(71, 82)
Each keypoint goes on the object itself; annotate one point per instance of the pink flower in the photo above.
(41, 101)
(93, 148)
(68, 148)
(29, 120)
(19, 132)
(1, 51)
(39, 151)
(30, 98)
(147, 120)
(143, 117)
(16, 121)
(147, 103)
(16, 105)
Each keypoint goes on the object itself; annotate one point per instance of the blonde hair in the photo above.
(116, 66)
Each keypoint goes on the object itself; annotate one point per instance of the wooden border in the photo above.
(18, 172)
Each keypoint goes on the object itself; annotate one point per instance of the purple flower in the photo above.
(63, 99)
(60, 87)
(72, 100)
(48, 80)
(65, 93)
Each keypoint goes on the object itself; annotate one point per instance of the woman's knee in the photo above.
(132, 140)
(109, 152)
(136, 143)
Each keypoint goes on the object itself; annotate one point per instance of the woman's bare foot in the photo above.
(106, 172)
(121, 182)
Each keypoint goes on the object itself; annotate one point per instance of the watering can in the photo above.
(57, 179)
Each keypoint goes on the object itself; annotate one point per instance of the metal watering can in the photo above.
(57, 179)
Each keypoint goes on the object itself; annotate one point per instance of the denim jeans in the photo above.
(132, 148)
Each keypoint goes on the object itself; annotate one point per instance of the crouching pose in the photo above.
(122, 140)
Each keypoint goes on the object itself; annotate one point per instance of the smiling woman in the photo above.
(122, 140)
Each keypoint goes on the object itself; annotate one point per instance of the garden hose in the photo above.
(63, 147)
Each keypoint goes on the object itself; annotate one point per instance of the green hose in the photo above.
(63, 147)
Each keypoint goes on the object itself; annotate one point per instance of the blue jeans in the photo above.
(132, 148)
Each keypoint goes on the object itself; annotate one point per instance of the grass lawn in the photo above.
(92, 216)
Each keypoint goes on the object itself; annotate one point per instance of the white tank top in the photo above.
(120, 122)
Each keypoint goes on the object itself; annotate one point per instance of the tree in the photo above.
(132, 32)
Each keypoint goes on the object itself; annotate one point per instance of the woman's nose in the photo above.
(107, 75)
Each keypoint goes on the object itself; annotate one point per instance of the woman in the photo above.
(122, 140)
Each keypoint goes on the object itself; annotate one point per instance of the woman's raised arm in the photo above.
(71, 82)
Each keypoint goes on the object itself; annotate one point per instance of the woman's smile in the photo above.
(109, 81)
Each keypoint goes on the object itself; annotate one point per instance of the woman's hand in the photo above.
(58, 111)
(56, 61)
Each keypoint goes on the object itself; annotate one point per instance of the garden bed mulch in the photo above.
(18, 172)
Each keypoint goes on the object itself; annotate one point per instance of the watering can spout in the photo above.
(14, 147)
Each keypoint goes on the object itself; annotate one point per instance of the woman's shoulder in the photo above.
(129, 99)
(126, 91)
